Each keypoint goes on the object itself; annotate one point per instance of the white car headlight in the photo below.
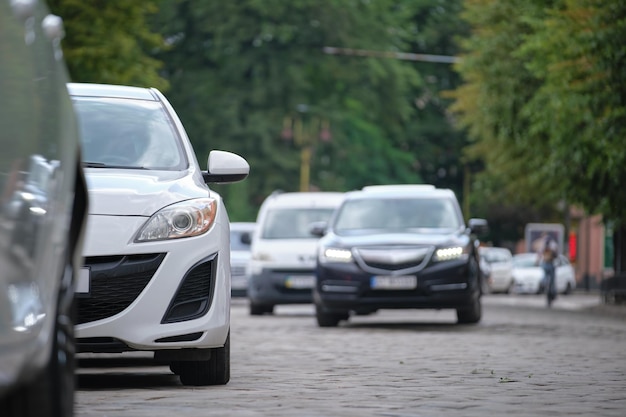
(184, 219)
(335, 255)
(448, 254)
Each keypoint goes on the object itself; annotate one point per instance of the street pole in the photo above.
(466, 191)
(405, 56)
(302, 139)
(305, 167)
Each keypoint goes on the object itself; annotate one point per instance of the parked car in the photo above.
(43, 201)
(282, 267)
(240, 241)
(398, 247)
(500, 262)
(529, 275)
(485, 270)
(29, 201)
(156, 275)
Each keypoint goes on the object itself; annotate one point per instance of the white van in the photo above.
(282, 266)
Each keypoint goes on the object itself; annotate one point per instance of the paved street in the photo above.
(521, 360)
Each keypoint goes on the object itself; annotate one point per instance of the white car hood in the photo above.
(532, 274)
(138, 193)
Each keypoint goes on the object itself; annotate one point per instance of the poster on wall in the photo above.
(534, 231)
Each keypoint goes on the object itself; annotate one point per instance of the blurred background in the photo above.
(517, 106)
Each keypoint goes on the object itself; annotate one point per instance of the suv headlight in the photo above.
(184, 219)
(335, 255)
(450, 253)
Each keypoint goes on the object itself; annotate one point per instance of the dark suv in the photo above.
(398, 247)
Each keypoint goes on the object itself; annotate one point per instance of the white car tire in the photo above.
(214, 371)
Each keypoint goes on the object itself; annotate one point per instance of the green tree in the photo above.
(578, 53)
(241, 71)
(544, 101)
(433, 137)
(109, 41)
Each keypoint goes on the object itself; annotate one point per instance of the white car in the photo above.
(500, 261)
(240, 240)
(156, 275)
(282, 267)
(529, 276)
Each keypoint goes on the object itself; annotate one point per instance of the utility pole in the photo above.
(305, 130)
(405, 56)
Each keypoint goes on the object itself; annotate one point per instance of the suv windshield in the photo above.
(293, 223)
(127, 133)
(396, 214)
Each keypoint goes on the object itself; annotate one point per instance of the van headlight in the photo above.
(450, 253)
(184, 219)
(327, 255)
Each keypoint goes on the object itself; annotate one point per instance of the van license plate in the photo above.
(300, 282)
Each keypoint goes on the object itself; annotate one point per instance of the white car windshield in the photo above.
(293, 223)
(495, 256)
(397, 214)
(127, 133)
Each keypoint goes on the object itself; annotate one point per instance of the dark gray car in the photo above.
(42, 204)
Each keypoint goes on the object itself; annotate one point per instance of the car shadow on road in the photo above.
(125, 380)
(115, 362)
(418, 326)
(106, 373)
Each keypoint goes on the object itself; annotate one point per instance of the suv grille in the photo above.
(409, 259)
(115, 282)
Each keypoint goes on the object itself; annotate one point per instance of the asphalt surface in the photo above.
(522, 359)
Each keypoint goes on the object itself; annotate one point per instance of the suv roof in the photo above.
(399, 187)
(402, 190)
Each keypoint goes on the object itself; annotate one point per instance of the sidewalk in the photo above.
(577, 301)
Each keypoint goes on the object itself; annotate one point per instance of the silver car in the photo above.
(240, 253)
(500, 262)
(43, 202)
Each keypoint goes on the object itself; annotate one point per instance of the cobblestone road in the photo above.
(521, 360)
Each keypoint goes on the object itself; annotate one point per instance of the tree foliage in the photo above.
(109, 41)
(543, 101)
(245, 72)
(241, 71)
(578, 53)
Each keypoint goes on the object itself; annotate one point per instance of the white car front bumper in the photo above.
(196, 268)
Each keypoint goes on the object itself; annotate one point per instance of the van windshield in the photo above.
(293, 223)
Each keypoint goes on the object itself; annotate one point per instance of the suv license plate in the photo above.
(404, 282)
(307, 281)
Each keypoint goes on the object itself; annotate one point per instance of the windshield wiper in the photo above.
(94, 165)
(88, 164)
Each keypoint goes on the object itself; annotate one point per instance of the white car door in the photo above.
(565, 275)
